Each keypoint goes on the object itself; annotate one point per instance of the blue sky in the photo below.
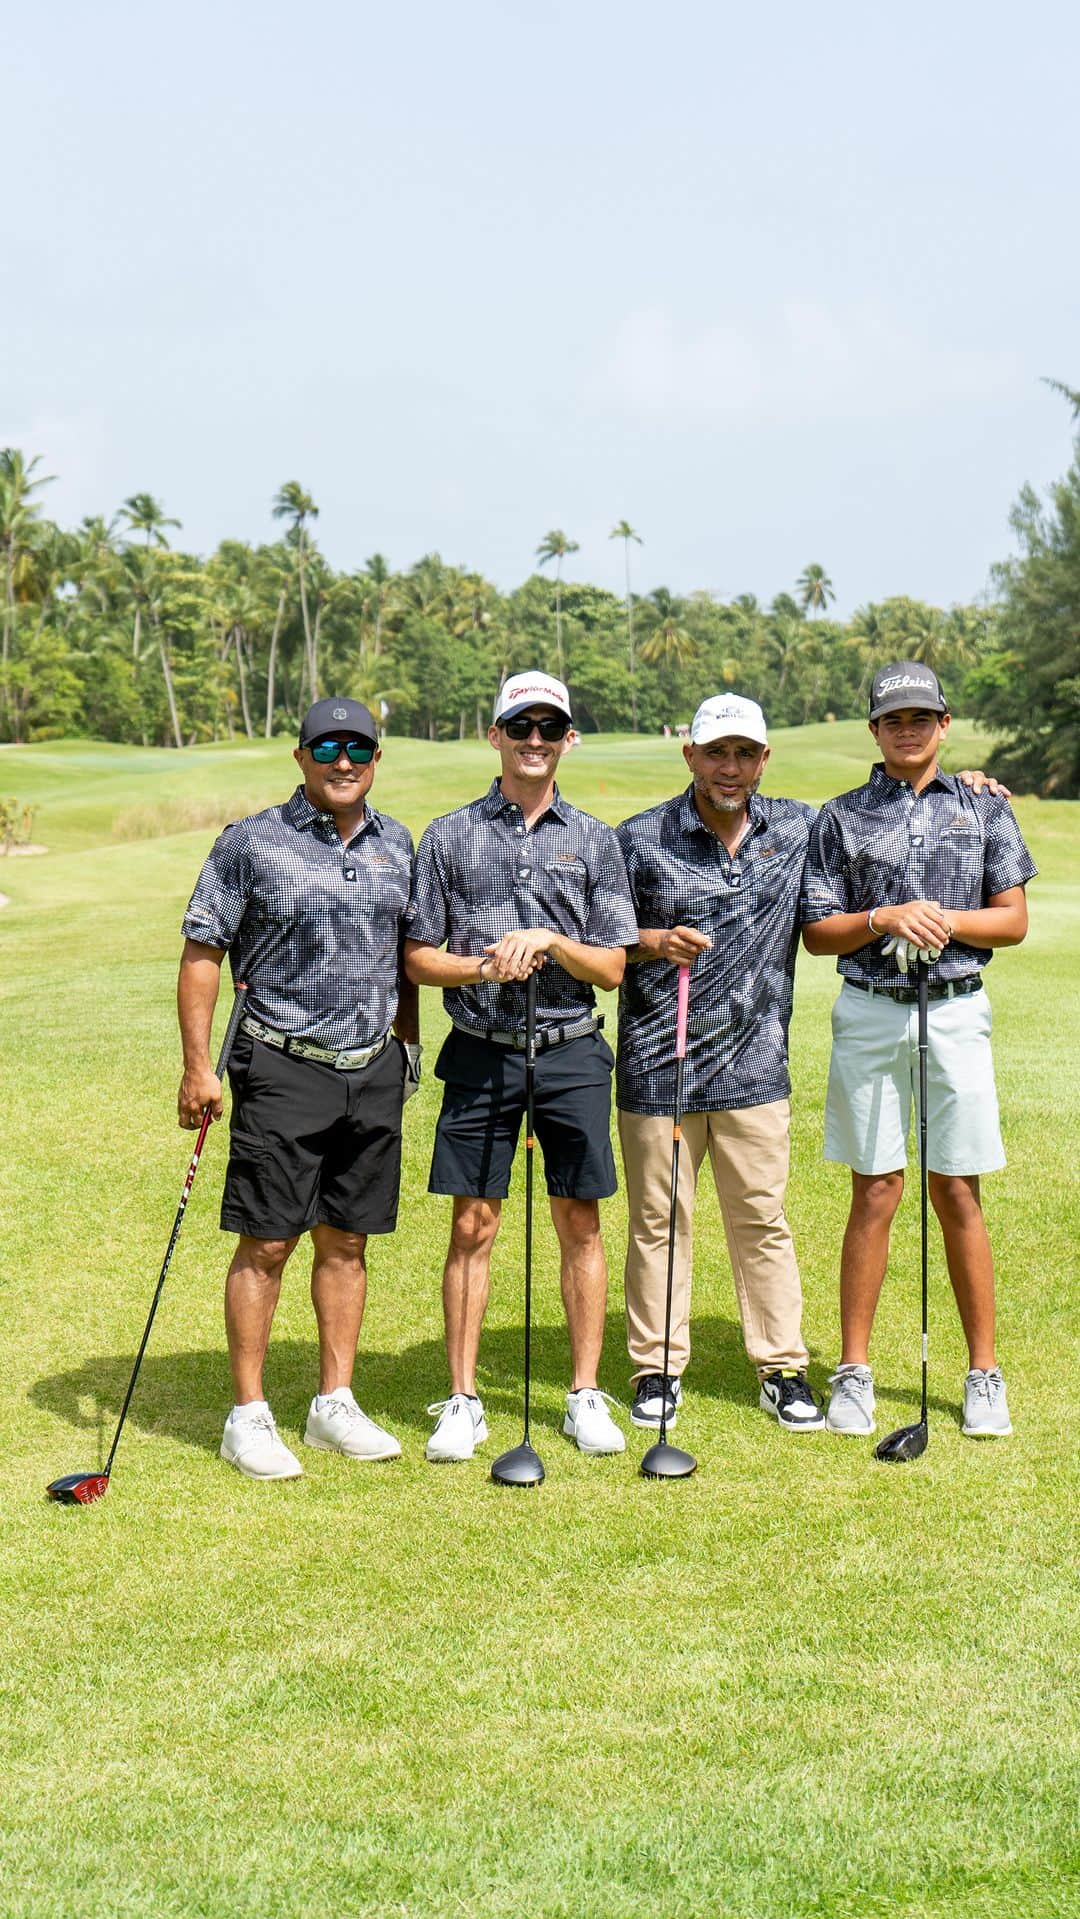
(778, 286)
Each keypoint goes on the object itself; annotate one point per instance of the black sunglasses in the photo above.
(326, 752)
(550, 728)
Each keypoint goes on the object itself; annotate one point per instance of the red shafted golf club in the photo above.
(82, 1489)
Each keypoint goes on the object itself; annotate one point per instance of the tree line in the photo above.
(111, 631)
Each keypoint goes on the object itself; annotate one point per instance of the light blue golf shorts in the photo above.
(874, 1085)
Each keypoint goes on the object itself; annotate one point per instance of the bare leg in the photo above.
(466, 1280)
(583, 1277)
(971, 1266)
(251, 1294)
(864, 1256)
(338, 1292)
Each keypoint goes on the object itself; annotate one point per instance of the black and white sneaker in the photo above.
(788, 1398)
(649, 1396)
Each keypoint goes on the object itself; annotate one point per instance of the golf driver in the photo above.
(522, 1466)
(663, 1461)
(81, 1489)
(909, 1442)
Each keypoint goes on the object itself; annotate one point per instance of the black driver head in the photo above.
(520, 1467)
(78, 1489)
(667, 1462)
(907, 1442)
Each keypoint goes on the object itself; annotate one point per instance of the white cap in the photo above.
(725, 715)
(529, 689)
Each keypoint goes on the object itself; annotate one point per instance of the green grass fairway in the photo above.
(800, 1684)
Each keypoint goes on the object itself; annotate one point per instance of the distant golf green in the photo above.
(800, 1684)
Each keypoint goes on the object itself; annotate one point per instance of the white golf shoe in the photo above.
(461, 1428)
(339, 1426)
(589, 1423)
(851, 1408)
(986, 1409)
(251, 1443)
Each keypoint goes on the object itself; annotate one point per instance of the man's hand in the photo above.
(682, 944)
(906, 954)
(920, 922)
(198, 1089)
(978, 780)
(518, 954)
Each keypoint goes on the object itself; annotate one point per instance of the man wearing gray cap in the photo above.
(517, 882)
(308, 899)
(716, 875)
(912, 862)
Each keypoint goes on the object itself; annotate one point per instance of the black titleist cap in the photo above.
(337, 716)
(906, 683)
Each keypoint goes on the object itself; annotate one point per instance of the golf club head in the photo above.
(907, 1442)
(79, 1489)
(663, 1461)
(520, 1467)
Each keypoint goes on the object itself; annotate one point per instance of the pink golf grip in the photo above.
(684, 1003)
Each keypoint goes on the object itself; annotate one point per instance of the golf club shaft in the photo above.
(676, 1138)
(235, 1017)
(530, 1078)
(922, 987)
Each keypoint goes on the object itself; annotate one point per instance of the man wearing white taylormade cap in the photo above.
(716, 875)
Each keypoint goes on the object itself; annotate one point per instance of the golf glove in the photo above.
(906, 952)
(412, 1069)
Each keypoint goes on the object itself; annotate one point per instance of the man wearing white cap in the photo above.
(716, 875)
(514, 883)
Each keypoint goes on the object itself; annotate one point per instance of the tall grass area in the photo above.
(800, 1684)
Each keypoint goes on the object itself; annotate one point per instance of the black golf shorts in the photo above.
(310, 1146)
(484, 1103)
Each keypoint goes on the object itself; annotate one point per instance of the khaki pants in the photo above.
(750, 1150)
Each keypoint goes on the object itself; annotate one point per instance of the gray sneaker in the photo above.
(986, 1409)
(851, 1408)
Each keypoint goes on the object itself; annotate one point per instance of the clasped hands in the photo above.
(917, 930)
(518, 954)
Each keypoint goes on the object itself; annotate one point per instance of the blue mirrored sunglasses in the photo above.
(360, 752)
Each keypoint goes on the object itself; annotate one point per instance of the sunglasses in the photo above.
(550, 729)
(327, 752)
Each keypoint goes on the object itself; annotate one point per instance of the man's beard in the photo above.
(727, 805)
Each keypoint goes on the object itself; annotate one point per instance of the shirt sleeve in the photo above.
(632, 863)
(612, 916)
(1007, 861)
(825, 889)
(222, 891)
(428, 917)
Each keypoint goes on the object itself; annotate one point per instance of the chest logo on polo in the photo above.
(379, 859)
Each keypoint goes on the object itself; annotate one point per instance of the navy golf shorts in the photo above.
(310, 1146)
(484, 1104)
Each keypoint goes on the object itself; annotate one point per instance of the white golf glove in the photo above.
(412, 1069)
(906, 952)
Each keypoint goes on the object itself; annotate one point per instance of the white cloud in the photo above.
(805, 363)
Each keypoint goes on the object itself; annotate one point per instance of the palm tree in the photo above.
(17, 510)
(670, 644)
(555, 546)
(293, 504)
(624, 531)
(815, 589)
(146, 515)
(379, 574)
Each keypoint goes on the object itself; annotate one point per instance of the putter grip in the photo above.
(232, 1029)
(684, 1005)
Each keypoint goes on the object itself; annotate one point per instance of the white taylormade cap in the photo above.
(529, 689)
(727, 715)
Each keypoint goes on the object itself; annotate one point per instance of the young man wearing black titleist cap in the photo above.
(308, 899)
(518, 882)
(914, 863)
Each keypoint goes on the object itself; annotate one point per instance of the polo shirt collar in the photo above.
(883, 784)
(300, 813)
(495, 802)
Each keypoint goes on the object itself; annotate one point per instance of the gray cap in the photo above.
(906, 683)
(337, 716)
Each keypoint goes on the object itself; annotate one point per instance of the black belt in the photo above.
(549, 1036)
(907, 995)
